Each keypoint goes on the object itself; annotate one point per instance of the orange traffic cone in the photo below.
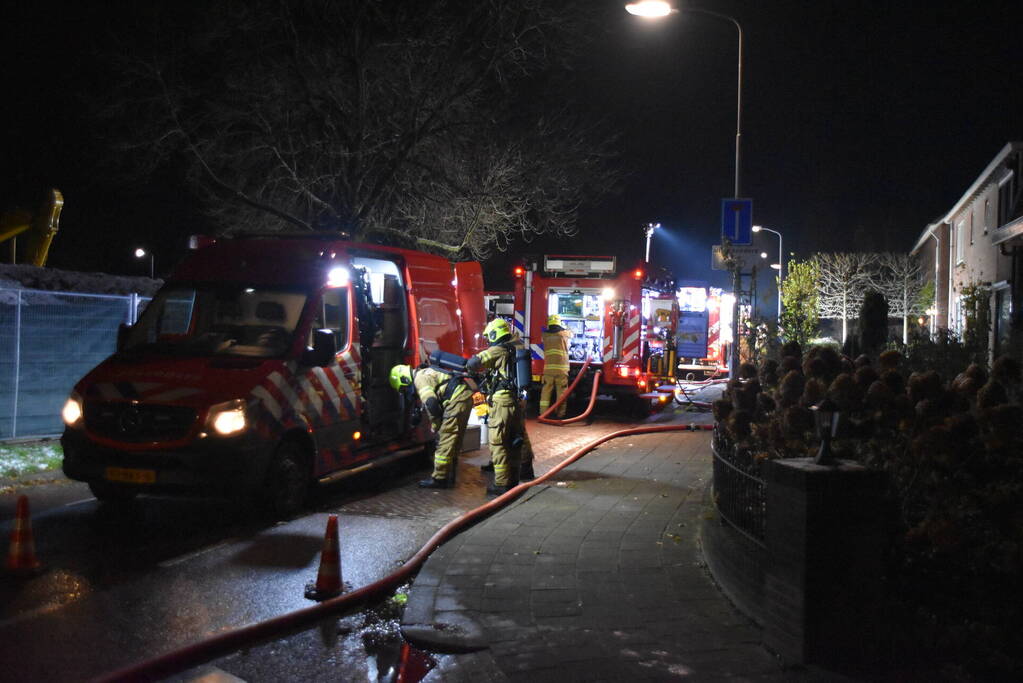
(328, 580)
(21, 559)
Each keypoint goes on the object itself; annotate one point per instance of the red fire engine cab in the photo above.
(261, 367)
(624, 322)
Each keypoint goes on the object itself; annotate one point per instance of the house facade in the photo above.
(979, 242)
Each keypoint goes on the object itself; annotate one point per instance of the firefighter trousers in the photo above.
(450, 433)
(553, 387)
(506, 422)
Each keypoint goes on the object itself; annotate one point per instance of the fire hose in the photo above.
(568, 392)
(227, 642)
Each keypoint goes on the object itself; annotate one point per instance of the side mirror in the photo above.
(323, 351)
(122, 335)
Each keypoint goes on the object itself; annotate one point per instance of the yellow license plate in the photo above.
(130, 476)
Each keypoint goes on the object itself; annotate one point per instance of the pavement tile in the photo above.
(554, 595)
(520, 579)
(466, 601)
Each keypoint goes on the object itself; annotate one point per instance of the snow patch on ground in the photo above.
(19, 460)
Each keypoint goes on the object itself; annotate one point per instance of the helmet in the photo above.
(554, 320)
(401, 377)
(496, 330)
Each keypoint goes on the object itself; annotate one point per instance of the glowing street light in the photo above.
(142, 253)
(656, 9)
(649, 230)
(649, 9)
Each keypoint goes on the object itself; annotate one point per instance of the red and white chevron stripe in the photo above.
(630, 348)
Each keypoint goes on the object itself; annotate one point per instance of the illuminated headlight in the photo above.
(227, 418)
(72, 412)
(337, 277)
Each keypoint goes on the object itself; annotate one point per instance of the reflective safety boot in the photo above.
(432, 483)
(526, 472)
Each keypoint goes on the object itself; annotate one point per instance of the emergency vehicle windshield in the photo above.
(229, 320)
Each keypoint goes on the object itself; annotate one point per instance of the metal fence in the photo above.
(48, 341)
(740, 494)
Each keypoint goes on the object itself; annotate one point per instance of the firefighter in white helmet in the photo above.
(448, 401)
(555, 364)
(510, 451)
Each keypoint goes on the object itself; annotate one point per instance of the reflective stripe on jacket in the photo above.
(555, 352)
(500, 362)
(432, 383)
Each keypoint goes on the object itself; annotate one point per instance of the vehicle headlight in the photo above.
(72, 411)
(227, 418)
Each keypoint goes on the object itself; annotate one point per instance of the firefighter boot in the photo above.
(526, 472)
(432, 483)
(497, 490)
(488, 466)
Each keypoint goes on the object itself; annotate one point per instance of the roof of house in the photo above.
(978, 185)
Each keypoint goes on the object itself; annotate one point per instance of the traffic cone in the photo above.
(21, 558)
(328, 580)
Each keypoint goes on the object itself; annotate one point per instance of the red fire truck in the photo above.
(624, 322)
(704, 332)
(261, 367)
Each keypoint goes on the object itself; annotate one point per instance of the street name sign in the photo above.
(744, 256)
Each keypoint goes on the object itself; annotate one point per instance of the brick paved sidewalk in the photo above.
(596, 576)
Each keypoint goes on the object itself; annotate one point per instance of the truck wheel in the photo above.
(287, 481)
(105, 493)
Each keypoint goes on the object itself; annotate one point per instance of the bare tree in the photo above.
(387, 121)
(902, 283)
(844, 279)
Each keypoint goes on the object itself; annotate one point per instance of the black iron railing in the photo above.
(740, 495)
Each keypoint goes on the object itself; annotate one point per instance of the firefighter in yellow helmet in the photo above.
(447, 399)
(555, 364)
(510, 450)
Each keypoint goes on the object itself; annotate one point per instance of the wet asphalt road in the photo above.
(124, 583)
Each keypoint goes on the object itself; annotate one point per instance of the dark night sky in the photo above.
(863, 121)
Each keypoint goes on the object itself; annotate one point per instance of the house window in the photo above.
(960, 242)
(957, 315)
(971, 228)
(987, 208)
(1005, 192)
(1003, 320)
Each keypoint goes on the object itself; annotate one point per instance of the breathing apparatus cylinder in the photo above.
(523, 369)
(450, 362)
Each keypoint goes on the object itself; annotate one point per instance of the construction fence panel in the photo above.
(48, 341)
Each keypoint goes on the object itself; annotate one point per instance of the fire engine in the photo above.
(499, 304)
(703, 333)
(623, 322)
(261, 367)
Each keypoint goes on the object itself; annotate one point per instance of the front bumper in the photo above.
(220, 467)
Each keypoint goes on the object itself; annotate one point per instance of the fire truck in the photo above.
(623, 322)
(261, 367)
(703, 332)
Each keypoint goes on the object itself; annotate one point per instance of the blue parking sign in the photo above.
(737, 220)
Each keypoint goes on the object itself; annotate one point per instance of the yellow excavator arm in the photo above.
(37, 231)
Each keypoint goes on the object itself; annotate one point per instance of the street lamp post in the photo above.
(655, 9)
(142, 253)
(649, 230)
(780, 265)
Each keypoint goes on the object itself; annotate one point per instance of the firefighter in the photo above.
(510, 451)
(555, 364)
(447, 399)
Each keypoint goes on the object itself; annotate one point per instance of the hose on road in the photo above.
(228, 642)
(568, 392)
